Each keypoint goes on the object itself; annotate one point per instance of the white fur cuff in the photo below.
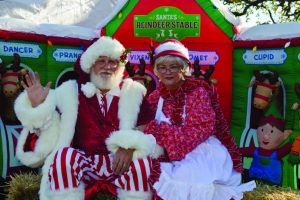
(158, 151)
(144, 144)
(34, 118)
(43, 146)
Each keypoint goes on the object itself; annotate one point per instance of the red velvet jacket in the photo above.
(92, 128)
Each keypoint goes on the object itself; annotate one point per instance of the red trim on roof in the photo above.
(14, 35)
(34, 37)
(69, 41)
(103, 31)
(266, 43)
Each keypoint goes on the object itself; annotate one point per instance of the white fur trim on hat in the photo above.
(104, 46)
(172, 46)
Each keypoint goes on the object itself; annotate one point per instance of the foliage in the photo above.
(266, 11)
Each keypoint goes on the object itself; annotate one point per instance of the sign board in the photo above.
(25, 50)
(167, 22)
(66, 55)
(261, 57)
(205, 57)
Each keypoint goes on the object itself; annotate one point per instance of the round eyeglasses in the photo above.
(172, 69)
(107, 62)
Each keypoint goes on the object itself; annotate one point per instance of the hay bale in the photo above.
(267, 192)
(24, 186)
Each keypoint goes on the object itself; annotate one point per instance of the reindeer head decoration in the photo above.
(267, 85)
(11, 77)
(142, 67)
(205, 74)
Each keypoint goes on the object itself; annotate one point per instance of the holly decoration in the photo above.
(123, 57)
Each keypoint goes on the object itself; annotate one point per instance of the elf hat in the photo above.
(104, 46)
(273, 117)
(171, 47)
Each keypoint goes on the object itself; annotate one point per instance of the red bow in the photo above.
(100, 186)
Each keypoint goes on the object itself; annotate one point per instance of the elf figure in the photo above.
(267, 163)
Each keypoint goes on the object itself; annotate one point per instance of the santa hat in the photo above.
(104, 46)
(273, 116)
(171, 47)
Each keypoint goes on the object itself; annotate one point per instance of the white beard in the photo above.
(107, 83)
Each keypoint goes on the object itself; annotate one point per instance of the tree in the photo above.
(266, 11)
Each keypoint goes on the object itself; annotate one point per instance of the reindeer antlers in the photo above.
(197, 71)
(274, 77)
(16, 62)
(142, 67)
(130, 69)
(258, 76)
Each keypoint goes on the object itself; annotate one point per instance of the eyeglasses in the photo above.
(107, 62)
(172, 69)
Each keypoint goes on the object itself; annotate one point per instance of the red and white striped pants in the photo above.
(72, 167)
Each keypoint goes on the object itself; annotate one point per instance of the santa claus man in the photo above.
(87, 131)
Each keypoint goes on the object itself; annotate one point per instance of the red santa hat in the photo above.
(104, 46)
(171, 47)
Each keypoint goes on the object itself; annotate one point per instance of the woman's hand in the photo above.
(141, 128)
(122, 160)
(35, 91)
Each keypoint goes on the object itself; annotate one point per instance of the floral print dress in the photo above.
(196, 165)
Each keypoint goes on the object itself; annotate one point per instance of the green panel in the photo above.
(296, 79)
(289, 73)
(60, 58)
(160, 23)
(115, 23)
(217, 17)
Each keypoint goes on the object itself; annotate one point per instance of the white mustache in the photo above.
(105, 72)
(108, 80)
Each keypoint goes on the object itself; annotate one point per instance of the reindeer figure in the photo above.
(206, 74)
(11, 77)
(266, 86)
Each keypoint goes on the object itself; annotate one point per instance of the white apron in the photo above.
(205, 173)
